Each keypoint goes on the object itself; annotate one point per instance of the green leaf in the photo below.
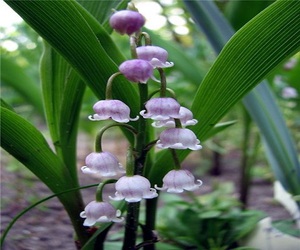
(14, 76)
(256, 49)
(263, 109)
(27, 144)
(76, 35)
(23, 141)
(63, 91)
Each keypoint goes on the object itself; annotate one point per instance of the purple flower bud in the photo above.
(133, 189)
(186, 119)
(136, 70)
(178, 138)
(103, 163)
(176, 181)
(126, 21)
(100, 212)
(157, 56)
(112, 109)
(161, 109)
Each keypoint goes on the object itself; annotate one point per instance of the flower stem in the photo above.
(100, 187)
(163, 82)
(131, 225)
(108, 93)
(98, 141)
(133, 208)
(177, 164)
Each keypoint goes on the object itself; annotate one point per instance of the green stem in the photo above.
(151, 209)
(132, 218)
(163, 82)
(98, 141)
(108, 92)
(100, 188)
(177, 164)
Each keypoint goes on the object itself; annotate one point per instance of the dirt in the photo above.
(47, 226)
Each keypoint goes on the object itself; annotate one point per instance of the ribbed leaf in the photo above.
(70, 29)
(28, 145)
(14, 76)
(247, 58)
(261, 104)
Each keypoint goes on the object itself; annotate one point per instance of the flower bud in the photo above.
(126, 21)
(136, 70)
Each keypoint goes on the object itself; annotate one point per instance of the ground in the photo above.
(48, 227)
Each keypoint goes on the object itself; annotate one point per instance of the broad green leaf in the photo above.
(15, 77)
(75, 34)
(27, 144)
(63, 91)
(261, 104)
(256, 49)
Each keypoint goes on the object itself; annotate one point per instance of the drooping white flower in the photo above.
(137, 70)
(133, 189)
(112, 109)
(176, 181)
(162, 108)
(100, 212)
(102, 163)
(178, 138)
(157, 56)
(186, 119)
(126, 21)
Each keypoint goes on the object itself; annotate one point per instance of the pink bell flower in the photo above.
(126, 21)
(133, 189)
(104, 164)
(112, 109)
(157, 56)
(137, 70)
(100, 212)
(178, 138)
(186, 119)
(176, 181)
(161, 109)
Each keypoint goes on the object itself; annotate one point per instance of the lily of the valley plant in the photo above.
(134, 95)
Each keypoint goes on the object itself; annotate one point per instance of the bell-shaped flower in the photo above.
(137, 70)
(126, 21)
(100, 212)
(178, 138)
(161, 109)
(133, 189)
(103, 163)
(176, 181)
(186, 119)
(112, 109)
(157, 56)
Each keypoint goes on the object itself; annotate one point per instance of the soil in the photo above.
(47, 226)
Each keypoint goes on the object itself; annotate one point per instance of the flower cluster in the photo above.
(165, 112)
